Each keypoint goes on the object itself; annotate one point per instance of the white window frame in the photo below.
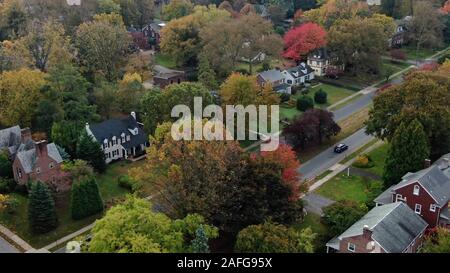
(433, 207)
(400, 198)
(51, 165)
(418, 209)
(416, 190)
(351, 249)
(38, 170)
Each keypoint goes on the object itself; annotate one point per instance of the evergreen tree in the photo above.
(90, 151)
(86, 199)
(304, 103)
(409, 148)
(320, 97)
(41, 209)
(200, 242)
(5, 165)
(206, 74)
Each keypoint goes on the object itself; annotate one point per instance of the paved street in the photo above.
(348, 110)
(328, 158)
(6, 247)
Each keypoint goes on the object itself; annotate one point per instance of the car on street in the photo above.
(340, 148)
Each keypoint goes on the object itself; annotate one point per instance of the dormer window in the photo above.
(128, 137)
(105, 143)
(123, 137)
(416, 190)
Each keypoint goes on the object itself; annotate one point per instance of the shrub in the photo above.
(292, 103)
(296, 89)
(4, 186)
(320, 97)
(5, 165)
(11, 205)
(363, 161)
(304, 103)
(285, 97)
(126, 182)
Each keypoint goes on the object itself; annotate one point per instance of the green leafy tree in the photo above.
(13, 19)
(133, 227)
(5, 165)
(41, 209)
(177, 9)
(206, 74)
(304, 103)
(90, 150)
(200, 243)
(86, 199)
(437, 242)
(108, 6)
(413, 100)
(102, 45)
(137, 12)
(274, 238)
(341, 215)
(66, 134)
(400, 160)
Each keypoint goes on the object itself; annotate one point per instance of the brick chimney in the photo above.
(41, 148)
(25, 135)
(367, 233)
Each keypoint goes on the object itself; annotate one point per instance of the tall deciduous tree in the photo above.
(137, 13)
(41, 209)
(274, 238)
(13, 19)
(341, 215)
(302, 40)
(407, 138)
(177, 9)
(102, 44)
(180, 37)
(20, 94)
(133, 227)
(413, 100)
(438, 241)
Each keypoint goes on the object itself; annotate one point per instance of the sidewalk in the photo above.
(15, 239)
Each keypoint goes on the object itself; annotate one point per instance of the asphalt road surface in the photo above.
(6, 247)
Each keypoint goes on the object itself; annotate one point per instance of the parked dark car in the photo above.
(340, 148)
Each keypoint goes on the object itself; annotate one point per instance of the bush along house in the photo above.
(426, 192)
(120, 138)
(41, 163)
(393, 228)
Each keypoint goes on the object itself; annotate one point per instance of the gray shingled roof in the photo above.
(433, 180)
(272, 75)
(303, 70)
(385, 197)
(28, 158)
(394, 226)
(10, 137)
(115, 127)
(165, 73)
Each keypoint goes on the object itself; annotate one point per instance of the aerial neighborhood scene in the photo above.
(224, 126)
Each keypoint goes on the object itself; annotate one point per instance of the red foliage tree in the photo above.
(287, 158)
(301, 40)
(446, 7)
(432, 66)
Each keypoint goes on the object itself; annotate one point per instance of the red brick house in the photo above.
(41, 163)
(163, 76)
(426, 192)
(392, 228)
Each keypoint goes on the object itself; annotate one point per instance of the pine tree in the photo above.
(86, 199)
(200, 242)
(206, 74)
(409, 148)
(41, 209)
(90, 150)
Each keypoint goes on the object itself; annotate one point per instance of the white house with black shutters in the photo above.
(120, 138)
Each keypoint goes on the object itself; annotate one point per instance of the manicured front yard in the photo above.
(165, 60)
(343, 187)
(378, 157)
(335, 94)
(109, 190)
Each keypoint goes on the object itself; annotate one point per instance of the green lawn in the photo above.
(413, 54)
(313, 221)
(396, 66)
(335, 94)
(343, 187)
(378, 157)
(165, 60)
(109, 190)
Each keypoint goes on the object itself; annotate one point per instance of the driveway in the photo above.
(6, 247)
(315, 203)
